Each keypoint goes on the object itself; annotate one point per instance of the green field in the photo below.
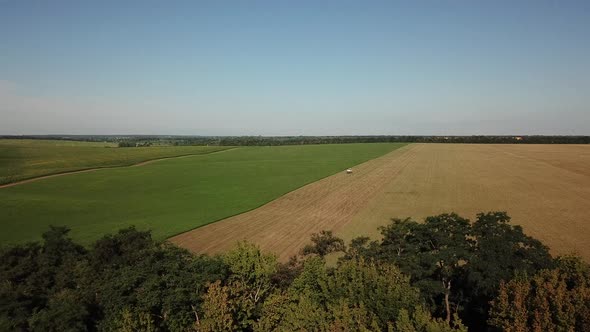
(24, 159)
(173, 195)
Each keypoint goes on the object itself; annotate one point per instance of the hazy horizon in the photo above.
(284, 69)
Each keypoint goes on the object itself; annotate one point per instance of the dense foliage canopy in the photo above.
(443, 274)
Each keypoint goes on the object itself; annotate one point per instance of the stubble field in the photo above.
(545, 188)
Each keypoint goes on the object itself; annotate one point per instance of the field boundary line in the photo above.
(93, 169)
(404, 146)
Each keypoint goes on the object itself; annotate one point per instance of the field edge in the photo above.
(402, 145)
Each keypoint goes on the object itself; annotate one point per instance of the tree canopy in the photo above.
(443, 274)
(457, 265)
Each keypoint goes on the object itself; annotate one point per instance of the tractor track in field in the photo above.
(93, 169)
(285, 225)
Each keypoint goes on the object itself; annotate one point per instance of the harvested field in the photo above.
(545, 188)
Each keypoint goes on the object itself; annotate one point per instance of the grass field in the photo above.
(24, 159)
(172, 195)
(545, 188)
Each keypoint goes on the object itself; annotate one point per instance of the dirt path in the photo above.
(284, 225)
(142, 163)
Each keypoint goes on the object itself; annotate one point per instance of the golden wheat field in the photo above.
(545, 188)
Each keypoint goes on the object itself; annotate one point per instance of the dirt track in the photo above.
(545, 188)
(142, 163)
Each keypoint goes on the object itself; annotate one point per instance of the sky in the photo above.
(295, 67)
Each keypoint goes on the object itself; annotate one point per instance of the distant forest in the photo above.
(147, 140)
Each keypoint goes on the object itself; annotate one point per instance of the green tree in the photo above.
(421, 321)
(65, 311)
(131, 321)
(127, 144)
(433, 253)
(357, 295)
(457, 265)
(501, 251)
(37, 281)
(131, 271)
(248, 285)
(324, 243)
(381, 288)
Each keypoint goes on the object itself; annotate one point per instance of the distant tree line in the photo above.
(299, 140)
(126, 144)
(133, 144)
(443, 274)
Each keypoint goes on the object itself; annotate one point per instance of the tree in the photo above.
(357, 295)
(131, 278)
(501, 251)
(429, 276)
(433, 253)
(287, 272)
(36, 280)
(65, 311)
(551, 300)
(457, 265)
(127, 144)
(421, 321)
(218, 311)
(131, 321)
(381, 288)
(248, 285)
(324, 243)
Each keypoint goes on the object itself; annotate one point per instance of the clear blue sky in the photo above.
(294, 67)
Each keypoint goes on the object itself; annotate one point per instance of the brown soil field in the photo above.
(545, 188)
